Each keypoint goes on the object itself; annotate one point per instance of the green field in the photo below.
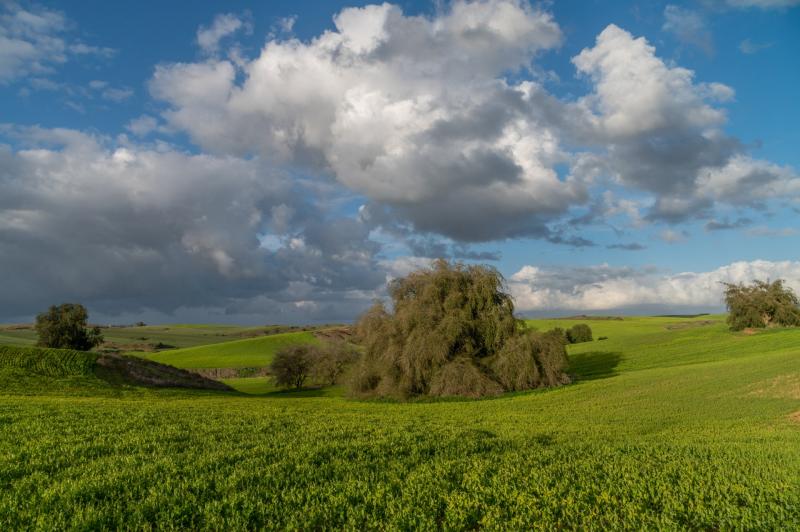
(137, 340)
(252, 352)
(671, 423)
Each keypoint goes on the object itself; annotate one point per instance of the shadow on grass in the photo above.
(594, 365)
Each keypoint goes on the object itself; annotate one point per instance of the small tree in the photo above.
(64, 327)
(761, 304)
(292, 365)
(579, 333)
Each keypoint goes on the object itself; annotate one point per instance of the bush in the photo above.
(331, 360)
(532, 360)
(64, 327)
(450, 325)
(579, 333)
(292, 365)
(761, 304)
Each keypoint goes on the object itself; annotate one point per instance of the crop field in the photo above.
(670, 423)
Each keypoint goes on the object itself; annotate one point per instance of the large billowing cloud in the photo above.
(603, 287)
(661, 132)
(420, 117)
(125, 227)
(414, 113)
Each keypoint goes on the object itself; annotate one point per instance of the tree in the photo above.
(451, 326)
(579, 333)
(761, 304)
(292, 365)
(331, 360)
(64, 327)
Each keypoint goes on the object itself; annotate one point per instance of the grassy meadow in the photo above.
(252, 352)
(670, 423)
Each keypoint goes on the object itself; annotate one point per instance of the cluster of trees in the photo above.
(452, 332)
(761, 304)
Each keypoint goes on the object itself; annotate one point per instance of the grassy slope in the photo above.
(679, 428)
(253, 352)
(177, 335)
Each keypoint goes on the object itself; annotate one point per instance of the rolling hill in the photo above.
(251, 352)
(670, 423)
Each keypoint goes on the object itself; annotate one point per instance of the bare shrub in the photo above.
(761, 304)
(292, 365)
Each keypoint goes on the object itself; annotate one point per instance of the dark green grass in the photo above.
(664, 428)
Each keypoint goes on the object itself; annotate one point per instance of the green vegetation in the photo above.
(64, 327)
(761, 304)
(452, 332)
(579, 333)
(670, 423)
(252, 352)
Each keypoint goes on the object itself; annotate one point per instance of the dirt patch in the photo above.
(140, 372)
(782, 387)
(749, 331)
(795, 417)
(343, 333)
(689, 324)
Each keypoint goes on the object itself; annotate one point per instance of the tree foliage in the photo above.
(579, 333)
(761, 304)
(452, 332)
(292, 365)
(331, 360)
(65, 327)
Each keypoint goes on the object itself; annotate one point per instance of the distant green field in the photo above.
(253, 352)
(671, 424)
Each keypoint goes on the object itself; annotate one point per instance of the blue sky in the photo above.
(275, 161)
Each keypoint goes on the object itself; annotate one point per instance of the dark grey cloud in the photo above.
(127, 228)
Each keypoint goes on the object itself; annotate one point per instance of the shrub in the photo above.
(292, 365)
(532, 360)
(450, 323)
(579, 333)
(331, 360)
(761, 304)
(64, 327)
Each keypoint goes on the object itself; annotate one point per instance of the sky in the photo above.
(280, 162)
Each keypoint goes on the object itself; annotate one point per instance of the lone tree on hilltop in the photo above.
(761, 304)
(64, 327)
(452, 331)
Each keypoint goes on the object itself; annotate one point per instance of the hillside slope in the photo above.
(670, 424)
(252, 352)
(32, 370)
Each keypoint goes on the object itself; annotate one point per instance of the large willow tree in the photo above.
(452, 331)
